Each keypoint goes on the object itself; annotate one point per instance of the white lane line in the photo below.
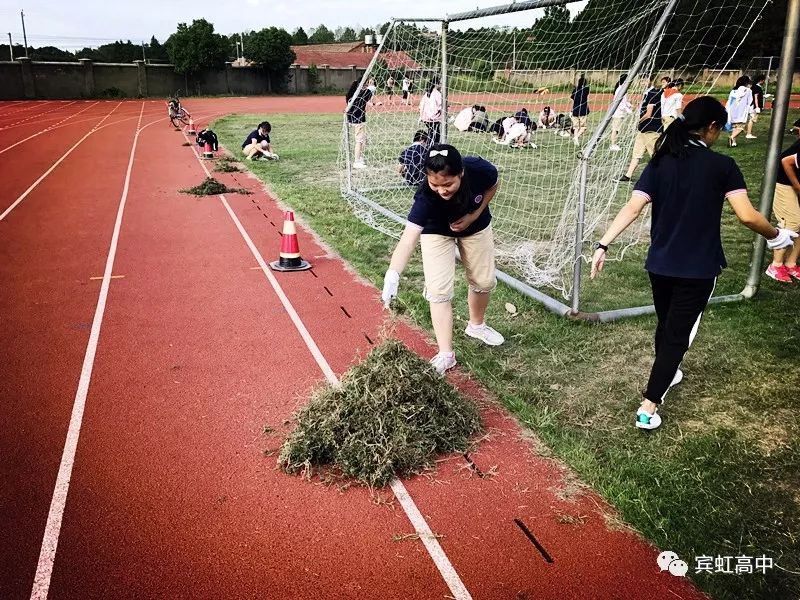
(431, 543)
(9, 126)
(49, 128)
(55, 164)
(47, 555)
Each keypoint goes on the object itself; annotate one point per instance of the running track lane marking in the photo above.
(44, 569)
(49, 128)
(35, 116)
(55, 164)
(437, 554)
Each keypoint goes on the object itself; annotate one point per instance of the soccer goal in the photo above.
(560, 189)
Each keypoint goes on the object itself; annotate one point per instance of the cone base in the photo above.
(290, 264)
(208, 155)
(191, 132)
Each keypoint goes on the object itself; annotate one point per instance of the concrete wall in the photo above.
(55, 80)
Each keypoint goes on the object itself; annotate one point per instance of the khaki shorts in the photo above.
(786, 207)
(616, 124)
(754, 117)
(360, 132)
(439, 263)
(578, 122)
(667, 121)
(645, 142)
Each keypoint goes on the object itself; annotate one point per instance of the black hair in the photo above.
(698, 114)
(677, 83)
(420, 135)
(581, 81)
(434, 82)
(482, 108)
(476, 107)
(667, 78)
(352, 89)
(265, 126)
(743, 80)
(453, 165)
(759, 78)
(621, 80)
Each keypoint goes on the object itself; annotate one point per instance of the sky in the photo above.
(72, 24)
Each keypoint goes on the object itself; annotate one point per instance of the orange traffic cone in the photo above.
(191, 127)
(207, 151)
(290, 250)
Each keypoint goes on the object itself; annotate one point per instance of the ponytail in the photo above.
(699, 114)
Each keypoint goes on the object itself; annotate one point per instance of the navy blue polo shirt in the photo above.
(413, 159)
(434, 215)
(793, 149)
(580, 101)
(255, 135)
(687, 195)
(358, 110)
(653, 124)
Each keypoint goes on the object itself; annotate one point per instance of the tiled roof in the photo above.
(309, 55)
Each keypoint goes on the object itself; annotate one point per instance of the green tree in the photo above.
(48, 53)
(271, 48)
(348, 35)
(156, 52)
(299, 37)
(195, 47)
(322, 35)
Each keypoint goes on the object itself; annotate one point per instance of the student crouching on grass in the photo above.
(257, 144)
(687, 184)
(451, 210)
(787, 211)
(411, 162)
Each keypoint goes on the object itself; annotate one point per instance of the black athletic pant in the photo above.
(679, 305)
(434, 131)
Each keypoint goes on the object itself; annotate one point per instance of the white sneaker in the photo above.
(614, 148)
(534, 146)
(677, 379)
(444, 361)
(485, 334)
(359, 165)
(750, 136)
(575, 141)
(644, 420)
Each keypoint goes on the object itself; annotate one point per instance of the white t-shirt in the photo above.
(739, 105)
(624, 108)
(406, 84)
(516, 130)
(508, 123)
(430, 107)
(671, 105)
(463, 119)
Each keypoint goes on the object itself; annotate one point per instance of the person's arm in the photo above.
(648, 113)
(627, 215)
(405, 247)
(749, 216)
(468, 219)
(789, 165)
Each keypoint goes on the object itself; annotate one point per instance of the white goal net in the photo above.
(532, 59)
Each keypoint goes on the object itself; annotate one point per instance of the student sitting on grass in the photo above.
(687, 185)
(257, 145)
(464, 117)
(451, 209)
(547, 118)
(786, 208)
(412, 160)
(480, 119)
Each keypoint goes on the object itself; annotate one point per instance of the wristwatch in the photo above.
(598, 246)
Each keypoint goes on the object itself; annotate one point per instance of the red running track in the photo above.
(171, 495)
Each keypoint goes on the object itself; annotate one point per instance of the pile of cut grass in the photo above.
(391, 415)
(212, 187)
(227, 165)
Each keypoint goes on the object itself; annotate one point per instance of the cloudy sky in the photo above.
(73, 24)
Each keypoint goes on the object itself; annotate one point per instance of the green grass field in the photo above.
(722, 474)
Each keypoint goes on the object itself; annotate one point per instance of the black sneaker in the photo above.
(624, 178)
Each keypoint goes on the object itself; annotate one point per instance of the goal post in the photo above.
(560, 190)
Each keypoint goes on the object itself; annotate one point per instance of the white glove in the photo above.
(391, 281)
(784, 239)
(758, 110)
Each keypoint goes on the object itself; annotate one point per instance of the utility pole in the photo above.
(10, 46)
(144, 58)
(24, 36)
(241, 37)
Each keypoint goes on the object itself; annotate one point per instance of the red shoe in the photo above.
(779, 273)
(794, 272)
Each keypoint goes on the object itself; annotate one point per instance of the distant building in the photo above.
(347, 54)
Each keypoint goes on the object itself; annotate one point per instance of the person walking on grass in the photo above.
(406, 87)
(580, 108)
(786, 208)
(430, 111)
(357, 118)
(739, 105)
(649, 127)
(451, 210)
(687, 185)
(672, 103)
(758, 104)
(624, 108)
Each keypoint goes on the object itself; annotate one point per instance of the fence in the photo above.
(27, 79)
